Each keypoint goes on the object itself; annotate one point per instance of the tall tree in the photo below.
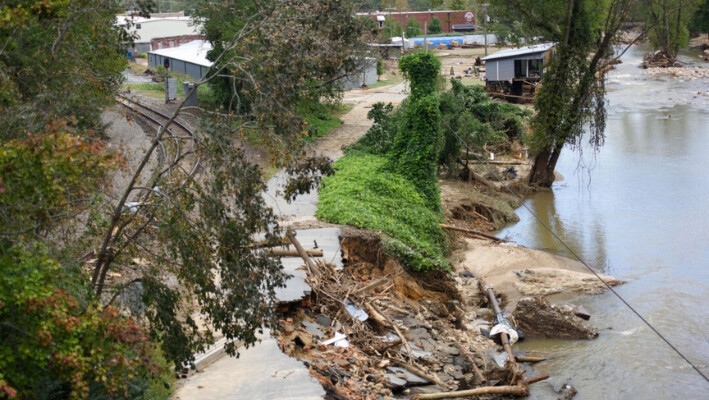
(667, 23)
(700, 20)
(197, 229)
(572, 93)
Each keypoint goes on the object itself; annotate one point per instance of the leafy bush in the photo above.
(365, 194)
(141, 55)
(380, 67)
(413, 28)
(436, 26)
(380, 137)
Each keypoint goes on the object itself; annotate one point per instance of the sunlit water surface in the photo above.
(638, 210)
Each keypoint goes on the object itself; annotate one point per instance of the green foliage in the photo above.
(668, 22)
(413, 28)
(58, 49)
(142, 55)
(319, 119)
(46, 176)
(390, 28)
(468, 115)
(59, 344)
(436, 26)
(700, 19)
(421, 69)
(380, 137)
(380, 67)
(365, 194)
(418, 140)
(267, 71)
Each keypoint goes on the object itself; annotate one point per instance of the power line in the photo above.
(487, 167)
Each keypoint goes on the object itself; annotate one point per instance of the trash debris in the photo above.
(356, 312)
(339, 340)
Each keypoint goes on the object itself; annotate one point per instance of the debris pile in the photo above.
(536, 317)
(659, 59)
(375, 330)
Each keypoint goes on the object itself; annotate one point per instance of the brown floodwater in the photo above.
(639, 210)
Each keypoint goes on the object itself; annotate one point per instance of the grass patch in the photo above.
(322, 118)
(387, 82)
(157, 89)
(364, 194)
(137, 69)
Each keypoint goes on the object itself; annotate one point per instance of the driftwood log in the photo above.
(508, 390)
(292, 253)
(472, 232)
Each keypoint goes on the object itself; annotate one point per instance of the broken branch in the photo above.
(472, 232)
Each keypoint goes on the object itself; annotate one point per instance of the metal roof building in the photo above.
(189, 59)
(523, 62)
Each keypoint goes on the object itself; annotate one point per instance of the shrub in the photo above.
(436, 26)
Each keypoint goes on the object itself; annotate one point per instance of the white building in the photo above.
(189, 59)
(147, 29)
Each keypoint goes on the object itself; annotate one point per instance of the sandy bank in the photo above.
(517, 271)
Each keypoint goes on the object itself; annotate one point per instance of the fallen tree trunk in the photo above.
(477, 177)
(292, 253)
(508, 390)
(271, 243)
(313, 268)
(472, 232)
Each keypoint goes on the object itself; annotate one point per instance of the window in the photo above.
(138, 26)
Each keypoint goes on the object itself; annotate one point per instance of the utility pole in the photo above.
(425, 35)
(483, 7)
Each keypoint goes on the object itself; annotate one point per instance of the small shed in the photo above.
(517, 71)
(189, 59)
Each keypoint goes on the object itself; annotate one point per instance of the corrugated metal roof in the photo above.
(123, 19)
(194, 52)
(508, 53)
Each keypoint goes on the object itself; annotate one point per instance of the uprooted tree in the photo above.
(573, 93)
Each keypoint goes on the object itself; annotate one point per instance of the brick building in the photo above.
(452, 20)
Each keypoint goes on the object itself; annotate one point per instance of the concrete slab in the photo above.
(327, 240)
(261, 372)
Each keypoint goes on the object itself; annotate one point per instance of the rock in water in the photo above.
(536, 317)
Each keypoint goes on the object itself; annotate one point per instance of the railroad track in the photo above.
(177, 145)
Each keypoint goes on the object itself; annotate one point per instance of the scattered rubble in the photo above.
(681, 73)
(538, 318)
(414, 340)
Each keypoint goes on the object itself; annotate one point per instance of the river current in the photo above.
(638, 210)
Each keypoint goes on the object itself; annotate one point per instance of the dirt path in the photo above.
(355, 121)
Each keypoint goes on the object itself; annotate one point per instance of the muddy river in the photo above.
(638, 210)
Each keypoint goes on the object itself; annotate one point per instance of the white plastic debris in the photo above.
(501, 328)
(355, 311)
(339, 340)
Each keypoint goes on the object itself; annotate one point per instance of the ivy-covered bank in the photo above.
(387, 181)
